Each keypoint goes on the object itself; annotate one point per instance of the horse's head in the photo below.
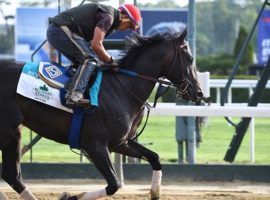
(181, 71)
(164, 55)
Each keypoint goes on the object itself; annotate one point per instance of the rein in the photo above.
(135, 74)
(182, 88)
(146, 104)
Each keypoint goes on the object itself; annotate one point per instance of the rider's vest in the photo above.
(81, 19)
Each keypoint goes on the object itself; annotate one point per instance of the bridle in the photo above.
(182, 88)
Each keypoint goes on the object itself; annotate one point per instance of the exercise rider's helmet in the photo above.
(133, 13)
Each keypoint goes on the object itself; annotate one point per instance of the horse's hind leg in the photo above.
(134, 149)
(99, 155)
(11, 170)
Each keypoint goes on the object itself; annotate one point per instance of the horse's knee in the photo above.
(153, 159)
(112, 188)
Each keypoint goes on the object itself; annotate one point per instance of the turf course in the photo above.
(160, 131)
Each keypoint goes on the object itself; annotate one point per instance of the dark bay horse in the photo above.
(112, 126)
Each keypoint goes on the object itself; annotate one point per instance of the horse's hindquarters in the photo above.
(10, 116)
(9, 77)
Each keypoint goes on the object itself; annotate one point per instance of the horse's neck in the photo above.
(134, 91)
(128, 91)
(139, 88)
(142, 88)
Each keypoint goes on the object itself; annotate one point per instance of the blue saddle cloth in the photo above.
(58, 76)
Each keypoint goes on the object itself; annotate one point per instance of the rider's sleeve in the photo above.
(104, 20)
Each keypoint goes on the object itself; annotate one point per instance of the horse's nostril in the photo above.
(200, 94)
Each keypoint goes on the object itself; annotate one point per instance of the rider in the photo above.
(78, 34)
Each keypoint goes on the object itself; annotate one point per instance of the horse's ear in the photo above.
(182, 36)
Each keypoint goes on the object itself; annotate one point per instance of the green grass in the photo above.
(160, 131)
(217, 135)
(48, 151)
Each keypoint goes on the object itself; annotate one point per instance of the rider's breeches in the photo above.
(78, 50)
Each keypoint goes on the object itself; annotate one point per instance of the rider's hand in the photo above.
(114, 66)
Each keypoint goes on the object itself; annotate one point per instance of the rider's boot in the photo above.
(75, 90)
(76, 100)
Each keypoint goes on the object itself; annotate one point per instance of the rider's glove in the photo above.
(114, 66)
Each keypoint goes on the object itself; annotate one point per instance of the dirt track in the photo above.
(51, 189)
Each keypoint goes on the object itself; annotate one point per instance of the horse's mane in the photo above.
(136, 44)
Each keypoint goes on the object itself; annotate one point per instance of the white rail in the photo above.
(227, 111)
(237, 83)
(232, 110)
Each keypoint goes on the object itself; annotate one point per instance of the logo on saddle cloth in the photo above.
(42, 93)
(53, 74)
(53, 71)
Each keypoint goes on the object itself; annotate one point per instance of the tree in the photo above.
(34, 3)
(248, 54)
(218, 23)
(7, 41)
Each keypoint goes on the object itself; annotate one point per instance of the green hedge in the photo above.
(216, 64)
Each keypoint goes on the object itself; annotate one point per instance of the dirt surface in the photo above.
(51, 189)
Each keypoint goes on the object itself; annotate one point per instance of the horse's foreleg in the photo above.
(11, 170)
(135, 149)
(99, 155)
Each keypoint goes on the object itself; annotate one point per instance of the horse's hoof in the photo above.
(3, 196)
(154, 195)
(64, 196)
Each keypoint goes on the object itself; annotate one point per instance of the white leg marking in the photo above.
(156, 184)
(27, 195)
(92, 195)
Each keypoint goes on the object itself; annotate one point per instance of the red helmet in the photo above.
(133, 13)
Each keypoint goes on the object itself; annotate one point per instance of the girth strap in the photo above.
(75, 128)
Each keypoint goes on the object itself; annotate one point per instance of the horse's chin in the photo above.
(193, 96)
